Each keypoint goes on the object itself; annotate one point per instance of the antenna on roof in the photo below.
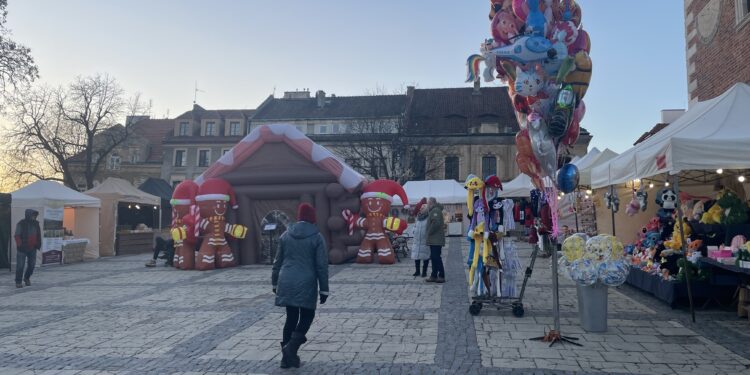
(274, 92)
(195, 93)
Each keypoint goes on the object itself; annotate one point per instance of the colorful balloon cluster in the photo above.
(586, 260)
(539, 48)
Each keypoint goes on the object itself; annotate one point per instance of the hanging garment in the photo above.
(495, 215)
(511, 265)
(508, 220)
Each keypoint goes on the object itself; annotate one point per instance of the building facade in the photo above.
(717, 35)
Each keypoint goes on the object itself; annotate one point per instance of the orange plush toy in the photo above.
(214, 195)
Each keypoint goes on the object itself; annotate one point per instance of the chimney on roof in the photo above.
(297, 94)
(320, 96)
(409, 91)
(477, 88)
(131, 120)
(668, 116)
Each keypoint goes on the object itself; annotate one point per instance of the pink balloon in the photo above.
(521, 9)
(579, 112)
(504, 26)
(582, 43)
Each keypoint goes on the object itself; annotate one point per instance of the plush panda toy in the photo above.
(667, 199)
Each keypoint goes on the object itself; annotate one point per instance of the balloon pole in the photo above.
(575, 207)
(555, 335)
(612, 208)
(682, 247)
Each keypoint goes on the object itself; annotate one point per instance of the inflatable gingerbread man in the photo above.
(375, 205)
(214, 195)
(183, 224)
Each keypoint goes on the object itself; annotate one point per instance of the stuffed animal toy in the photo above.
(697, 210)
(666, 198)
(642, 197)
(653, 225)
(737, 242)
(651, 239)
(612, 201)
(633, 206)
(580, 77)
(695, 246)
(734, 209)
(713, 215)
(676, 242)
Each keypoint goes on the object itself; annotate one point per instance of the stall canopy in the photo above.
(445, 191)
(518, 187)
(592, 159)
(84, 222)
(163, 190)
(112, 192)
(712, 134)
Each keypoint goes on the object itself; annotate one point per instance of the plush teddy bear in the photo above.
(676, 242)
(713, 215)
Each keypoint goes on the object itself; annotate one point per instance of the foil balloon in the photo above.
(528, 165)
(574, 246)
(562, 114)
(582, 43)
(564, 31)
(613, 272)
(523, 142)
(617, 250)
(529, 82)
(521, 9)
(504, 27)
(567, 178)
(597, 249)
(580, 77)
(568, 10)
(543, 146)
(564, 266)
(536, 23)
(584, 271)
(526, 49)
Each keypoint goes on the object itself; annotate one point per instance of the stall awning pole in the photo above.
(682, 246)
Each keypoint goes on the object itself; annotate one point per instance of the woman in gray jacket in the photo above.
(300, 267)
(419, 249)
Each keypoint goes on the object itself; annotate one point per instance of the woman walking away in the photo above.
(419, 250)
(436, 240)
(300, 267)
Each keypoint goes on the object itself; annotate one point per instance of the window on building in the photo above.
(184, 128)
(323, 129)
(418, 167)
(235, 128)
(134, 155)
(507, 129)
(337, 129)
(175, 183)
(489, 128)
(224, 151)
(451, 168)
(114, 163)
(210, 126)
(180, 158)
(204, 158)
(489, 166)
(742, 7)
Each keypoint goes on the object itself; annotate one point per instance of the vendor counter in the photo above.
(674, 292)
(73, 250)
(130, 242)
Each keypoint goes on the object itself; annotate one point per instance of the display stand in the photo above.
(555, 335)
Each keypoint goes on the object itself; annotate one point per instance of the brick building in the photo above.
(717, 34)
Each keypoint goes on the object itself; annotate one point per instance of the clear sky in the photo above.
(239, 51)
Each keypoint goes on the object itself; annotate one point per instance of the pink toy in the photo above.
(737, 242)
(521, 9)
(633, 206)
(582, 43)
(564, 31)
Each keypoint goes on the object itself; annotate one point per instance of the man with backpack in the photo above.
(28, 238)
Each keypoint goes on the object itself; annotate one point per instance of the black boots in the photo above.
(416, 265)
(425, 263)
(289, 351)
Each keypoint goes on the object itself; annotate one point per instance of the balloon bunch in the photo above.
(586, 260)
(540, 50)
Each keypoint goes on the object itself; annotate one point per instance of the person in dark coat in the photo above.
(28, 238)
(436, 240)
(299, 278)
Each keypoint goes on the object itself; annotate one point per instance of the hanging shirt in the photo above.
(508, 219)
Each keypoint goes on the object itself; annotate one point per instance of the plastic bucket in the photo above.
(592, 307)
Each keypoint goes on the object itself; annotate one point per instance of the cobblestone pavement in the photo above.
(114, 316)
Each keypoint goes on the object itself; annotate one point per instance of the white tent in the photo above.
(445, 191)
(111, 192)
(712, 134)
(589, 161)
(518, 187)
(81, 211)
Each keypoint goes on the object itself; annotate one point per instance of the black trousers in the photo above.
(437, 261)
(166, 246)
(425, 263)
(298, 319)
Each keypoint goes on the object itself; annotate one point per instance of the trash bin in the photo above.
(592, 307)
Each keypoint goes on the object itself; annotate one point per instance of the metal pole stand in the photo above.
(555, 335)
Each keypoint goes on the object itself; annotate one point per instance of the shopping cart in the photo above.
(512, 303)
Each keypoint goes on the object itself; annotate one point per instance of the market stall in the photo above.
(682, 185)
(449, 193)
(163, 190)
(69, 221)
(128, 217)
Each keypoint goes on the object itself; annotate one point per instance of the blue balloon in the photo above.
(567, 178)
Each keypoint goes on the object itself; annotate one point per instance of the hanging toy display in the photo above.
(540, 50)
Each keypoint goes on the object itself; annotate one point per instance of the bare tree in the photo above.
(382, 148)
(17, 67)
(51, 128)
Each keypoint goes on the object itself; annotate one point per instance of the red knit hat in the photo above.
(306, 212)
(184, 193)
(491, 181)
(384, 189)
(216, 189)
(419, 205)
